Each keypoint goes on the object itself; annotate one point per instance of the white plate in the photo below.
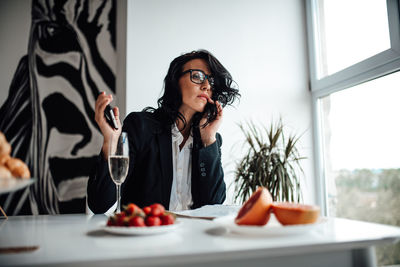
(272, 228)
(209, 211)
(14, 184)
(146, 230)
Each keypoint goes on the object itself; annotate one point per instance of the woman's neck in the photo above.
(184, 129)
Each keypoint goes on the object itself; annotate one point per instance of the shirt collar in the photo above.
(178, 137)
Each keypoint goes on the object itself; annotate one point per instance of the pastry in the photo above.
(11, 167)
(6, 179)
(18, 168)
(3, 159)
(5, 173)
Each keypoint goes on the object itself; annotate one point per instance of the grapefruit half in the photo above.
(257, 209)
(294, 213)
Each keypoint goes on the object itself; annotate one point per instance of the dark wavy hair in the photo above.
(225, 89)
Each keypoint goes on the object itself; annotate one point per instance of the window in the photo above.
(353, 39)
(354, 53)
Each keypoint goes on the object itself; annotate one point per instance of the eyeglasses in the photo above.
(199, 77)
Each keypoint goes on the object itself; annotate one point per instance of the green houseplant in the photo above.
(272, 161)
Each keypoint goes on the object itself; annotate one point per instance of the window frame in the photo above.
(376, 66)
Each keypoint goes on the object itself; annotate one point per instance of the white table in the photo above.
(67, 240)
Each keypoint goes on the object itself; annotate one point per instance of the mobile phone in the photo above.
(110, 117)
(210, 109)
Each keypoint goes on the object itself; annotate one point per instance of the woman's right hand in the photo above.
(108, 132)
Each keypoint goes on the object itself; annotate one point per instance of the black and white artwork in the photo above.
(48, 116)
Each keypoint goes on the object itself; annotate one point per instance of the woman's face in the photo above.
(194, 96)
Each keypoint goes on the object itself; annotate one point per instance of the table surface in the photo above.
(68, 239)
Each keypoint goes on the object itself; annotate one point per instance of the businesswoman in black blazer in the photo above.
(175, 150)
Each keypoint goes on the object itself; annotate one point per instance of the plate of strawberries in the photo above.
(150, 220)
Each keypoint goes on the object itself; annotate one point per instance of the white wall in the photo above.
(262, 43)
(15, 21)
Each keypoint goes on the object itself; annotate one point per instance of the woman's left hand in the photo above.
(208, 133)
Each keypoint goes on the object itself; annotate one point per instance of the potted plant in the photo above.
(272, 161)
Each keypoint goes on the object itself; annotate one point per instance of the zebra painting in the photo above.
(48, 116)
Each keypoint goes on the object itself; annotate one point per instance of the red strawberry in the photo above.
(136, 221)
(131, 208)
(120, 219)
(147, 210)
(126, 221)
(134, 210)
(121, 214)
(140, 213)
(157, 209)
(153, 221)
(110, 222)
(167, 219)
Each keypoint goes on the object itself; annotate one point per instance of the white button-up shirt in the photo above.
(181, 194)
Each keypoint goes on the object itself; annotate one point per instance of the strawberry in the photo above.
(134, 210)
(120, 219)
(136, 221)
(153, 221)
(157, 209)
(126, 221)
(110, 222)
(147, 210)
(130, 208)
(121, 214)
(167, 219)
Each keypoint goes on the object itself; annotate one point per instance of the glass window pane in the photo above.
(361, 133)
(349, 32)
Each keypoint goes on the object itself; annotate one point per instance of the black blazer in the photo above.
(150, 173)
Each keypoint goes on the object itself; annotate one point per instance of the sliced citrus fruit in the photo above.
(256, 210)
(294, 213)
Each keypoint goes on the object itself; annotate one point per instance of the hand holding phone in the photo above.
(110, 117)
(210, 109)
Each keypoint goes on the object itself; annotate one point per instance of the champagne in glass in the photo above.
(118, 163)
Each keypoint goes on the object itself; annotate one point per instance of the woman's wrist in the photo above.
(105, 149)
(209, 141)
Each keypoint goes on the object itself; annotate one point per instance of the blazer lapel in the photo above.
(195, 160)
(165, 146)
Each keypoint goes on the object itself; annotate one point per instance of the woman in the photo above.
(175, 150)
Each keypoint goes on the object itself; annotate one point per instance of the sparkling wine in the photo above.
(118, 168)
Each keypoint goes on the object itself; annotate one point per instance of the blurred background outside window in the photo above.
(355, 85)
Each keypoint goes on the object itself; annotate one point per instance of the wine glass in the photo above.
(118, 162)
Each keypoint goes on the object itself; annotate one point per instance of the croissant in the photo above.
(5, 173)
(18, 168)
(11, 167)
(6, 178)
(4, 158)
